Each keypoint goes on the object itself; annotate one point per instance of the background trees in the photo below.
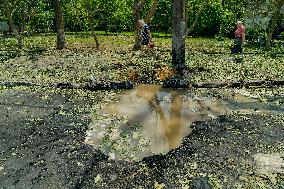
(205, 17)
(8, 8)
(265, 15)
(90, 21)
(276, 16)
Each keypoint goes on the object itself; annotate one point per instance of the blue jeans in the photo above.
(237, 47)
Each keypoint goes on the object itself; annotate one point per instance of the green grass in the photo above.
(40, 62)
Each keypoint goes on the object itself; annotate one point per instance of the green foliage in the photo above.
(113, 15)
(162, 20)
(75, 15)
(258, 13)
(217, 17)
(282, 35)
(42, 22)
(227, 22)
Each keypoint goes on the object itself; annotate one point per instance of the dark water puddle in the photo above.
(151, 120)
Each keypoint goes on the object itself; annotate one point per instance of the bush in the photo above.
(41, 22)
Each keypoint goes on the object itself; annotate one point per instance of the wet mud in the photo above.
(151, 120)
(42, 145)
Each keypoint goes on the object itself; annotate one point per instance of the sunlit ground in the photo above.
(132, 126)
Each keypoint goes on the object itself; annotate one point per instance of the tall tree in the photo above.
(178, 38)
(137, 8)
(8, 7)
(59, 24)
(90, 21)
(138, 5)
(276, 16)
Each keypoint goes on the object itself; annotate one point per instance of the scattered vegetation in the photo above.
(207, 60)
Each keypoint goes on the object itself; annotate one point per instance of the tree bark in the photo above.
(137, 44)
(138, 5)
(178, 39)
(274, 20)
(59, 25)
(90, 20)
(8, 14)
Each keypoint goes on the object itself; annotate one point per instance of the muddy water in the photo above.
(151, 120)
(165, 115)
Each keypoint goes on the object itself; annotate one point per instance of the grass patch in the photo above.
(40, 62)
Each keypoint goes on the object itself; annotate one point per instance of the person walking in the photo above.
(239, 39)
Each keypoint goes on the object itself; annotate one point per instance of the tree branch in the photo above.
(200, 10)
(151, 11)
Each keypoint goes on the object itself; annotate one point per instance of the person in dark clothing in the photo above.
(239, 38)
(146, 38)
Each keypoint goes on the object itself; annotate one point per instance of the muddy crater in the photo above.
(151, 120)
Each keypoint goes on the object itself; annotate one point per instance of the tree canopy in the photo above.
(217, 17)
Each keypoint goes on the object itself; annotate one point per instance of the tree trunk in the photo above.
(90, 20)
(137, 45)
(10, 30)
(178, 39)
(138, 5)
(274, 20)
(59, 25)
(110, 85)
(13, 28)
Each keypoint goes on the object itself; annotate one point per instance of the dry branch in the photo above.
(66, 85)
(172, 83)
